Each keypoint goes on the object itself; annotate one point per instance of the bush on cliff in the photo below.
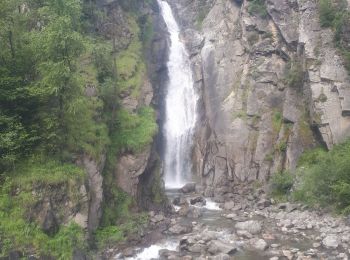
(334, 14)
(281, 184)
(324, 178)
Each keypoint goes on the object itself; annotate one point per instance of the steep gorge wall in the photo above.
(272, 84)
(138, 172)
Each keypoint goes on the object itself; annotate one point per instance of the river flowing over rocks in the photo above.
(250, 230)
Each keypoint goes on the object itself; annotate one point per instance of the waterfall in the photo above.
(180, 107)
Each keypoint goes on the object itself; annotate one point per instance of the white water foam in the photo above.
(180, 107)
(211, 205)
(152, 252)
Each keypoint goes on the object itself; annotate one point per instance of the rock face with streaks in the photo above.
(272, 84)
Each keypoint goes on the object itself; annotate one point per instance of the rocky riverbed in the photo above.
(241, 223)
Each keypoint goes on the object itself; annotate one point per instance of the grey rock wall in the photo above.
(254, 121)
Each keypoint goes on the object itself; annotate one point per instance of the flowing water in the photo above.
(180, 106)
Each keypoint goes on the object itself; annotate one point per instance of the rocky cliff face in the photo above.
(135, 169)
(272, 85)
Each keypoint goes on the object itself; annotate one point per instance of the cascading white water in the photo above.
(180, 106)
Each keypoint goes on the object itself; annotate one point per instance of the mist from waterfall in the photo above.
(180, 107)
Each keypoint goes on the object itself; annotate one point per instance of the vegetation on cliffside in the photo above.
(60, 84)
(334, 14)
(321, 180)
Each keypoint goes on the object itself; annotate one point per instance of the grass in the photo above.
(17, 230)
(130, 64)
(277, 120)
(135, 131)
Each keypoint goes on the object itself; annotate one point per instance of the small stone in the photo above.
(316, 245)
(158, 218)
(128, 252)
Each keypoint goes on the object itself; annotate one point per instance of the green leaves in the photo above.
(324, 178)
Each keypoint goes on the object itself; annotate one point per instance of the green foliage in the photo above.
(324, 178)
(135, 131)
(59, 91)
(146, 25)
(109, 235)
(62, 245)
(203, 12)
(257, 7)
(277, 119)
(281, 184)
(295, 74)
(334, 14)
(281, 147)
(37, 171)
(17, 232)
(327, 13)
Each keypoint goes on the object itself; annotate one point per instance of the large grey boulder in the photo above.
(331, 241)
(217, 246)
(189, 187)
(178, 229)
(252, 226)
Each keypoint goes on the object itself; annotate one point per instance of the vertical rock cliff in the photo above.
(272, 84)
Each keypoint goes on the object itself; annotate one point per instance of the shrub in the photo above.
(277, 121)
(281, 184)
(334, 14)
(295, 74)
(257, 7)
(327, 13)
(135, 131)
(325, 179)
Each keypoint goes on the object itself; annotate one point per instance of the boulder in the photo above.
(189, 187)
(252, 226)
(178, 229)
(331, 241)
(198, 199)
(217, 246)
(263, 203)
(259, 244)
(197, 248)
(228, 205)
(179, 201)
